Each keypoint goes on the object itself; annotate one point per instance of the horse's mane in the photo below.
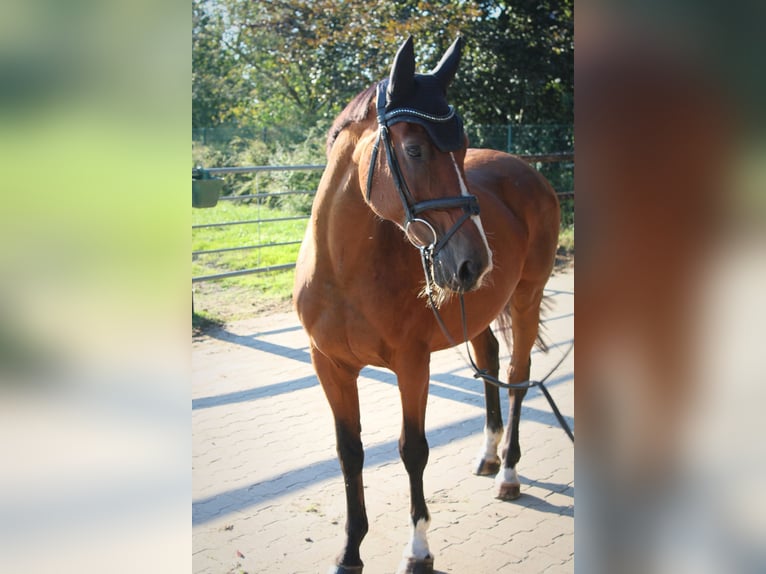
(355, 111)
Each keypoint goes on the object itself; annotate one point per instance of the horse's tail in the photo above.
(505, 327)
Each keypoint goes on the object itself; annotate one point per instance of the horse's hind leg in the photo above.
(486, 352)
(525, 317)
(339, 384)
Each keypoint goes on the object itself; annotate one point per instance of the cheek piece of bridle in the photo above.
(428, 251)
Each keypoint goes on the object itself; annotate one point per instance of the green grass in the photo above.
(566, 239)
(247, 295)
(242, 235)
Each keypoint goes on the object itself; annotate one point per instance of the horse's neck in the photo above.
(340, 213)
(338, 191)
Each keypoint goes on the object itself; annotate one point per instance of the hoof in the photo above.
(340, 569)
(485, 467)
(417, 566)
(508, 491)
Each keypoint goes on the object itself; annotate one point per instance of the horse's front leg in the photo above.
(412, 375)
(339, 383)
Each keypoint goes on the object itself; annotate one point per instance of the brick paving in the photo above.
(267, 488)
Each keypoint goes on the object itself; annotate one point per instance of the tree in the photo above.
(218, 86)
(307, 58)
(298, 62)
(519, 63)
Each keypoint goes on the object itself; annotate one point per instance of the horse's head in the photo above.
(411, 170)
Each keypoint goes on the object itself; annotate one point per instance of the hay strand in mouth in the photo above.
(439, 295)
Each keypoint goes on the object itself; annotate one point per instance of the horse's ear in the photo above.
(447, 67)
(402, 78)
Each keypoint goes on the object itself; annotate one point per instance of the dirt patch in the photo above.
(215, 305)
(202, 324)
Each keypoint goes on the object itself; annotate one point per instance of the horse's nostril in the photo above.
(468, 273)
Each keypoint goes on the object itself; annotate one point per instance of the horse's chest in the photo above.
(350, 339)
(362, 326)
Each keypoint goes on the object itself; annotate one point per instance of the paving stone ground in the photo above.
(267, 488)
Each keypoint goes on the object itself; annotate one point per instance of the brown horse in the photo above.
(398, 170)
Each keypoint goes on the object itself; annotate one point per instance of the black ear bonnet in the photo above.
(421, 98)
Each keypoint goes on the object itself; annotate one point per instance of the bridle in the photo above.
(413, 209)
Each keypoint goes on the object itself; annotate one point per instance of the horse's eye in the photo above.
(413, 150)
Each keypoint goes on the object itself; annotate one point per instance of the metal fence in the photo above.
(197, 173)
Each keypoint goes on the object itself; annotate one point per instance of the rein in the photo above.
(426, 259)
(412, 208)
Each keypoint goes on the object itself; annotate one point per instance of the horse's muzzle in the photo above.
(457, 273)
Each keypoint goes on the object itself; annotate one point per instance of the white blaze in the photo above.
(475, 218)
